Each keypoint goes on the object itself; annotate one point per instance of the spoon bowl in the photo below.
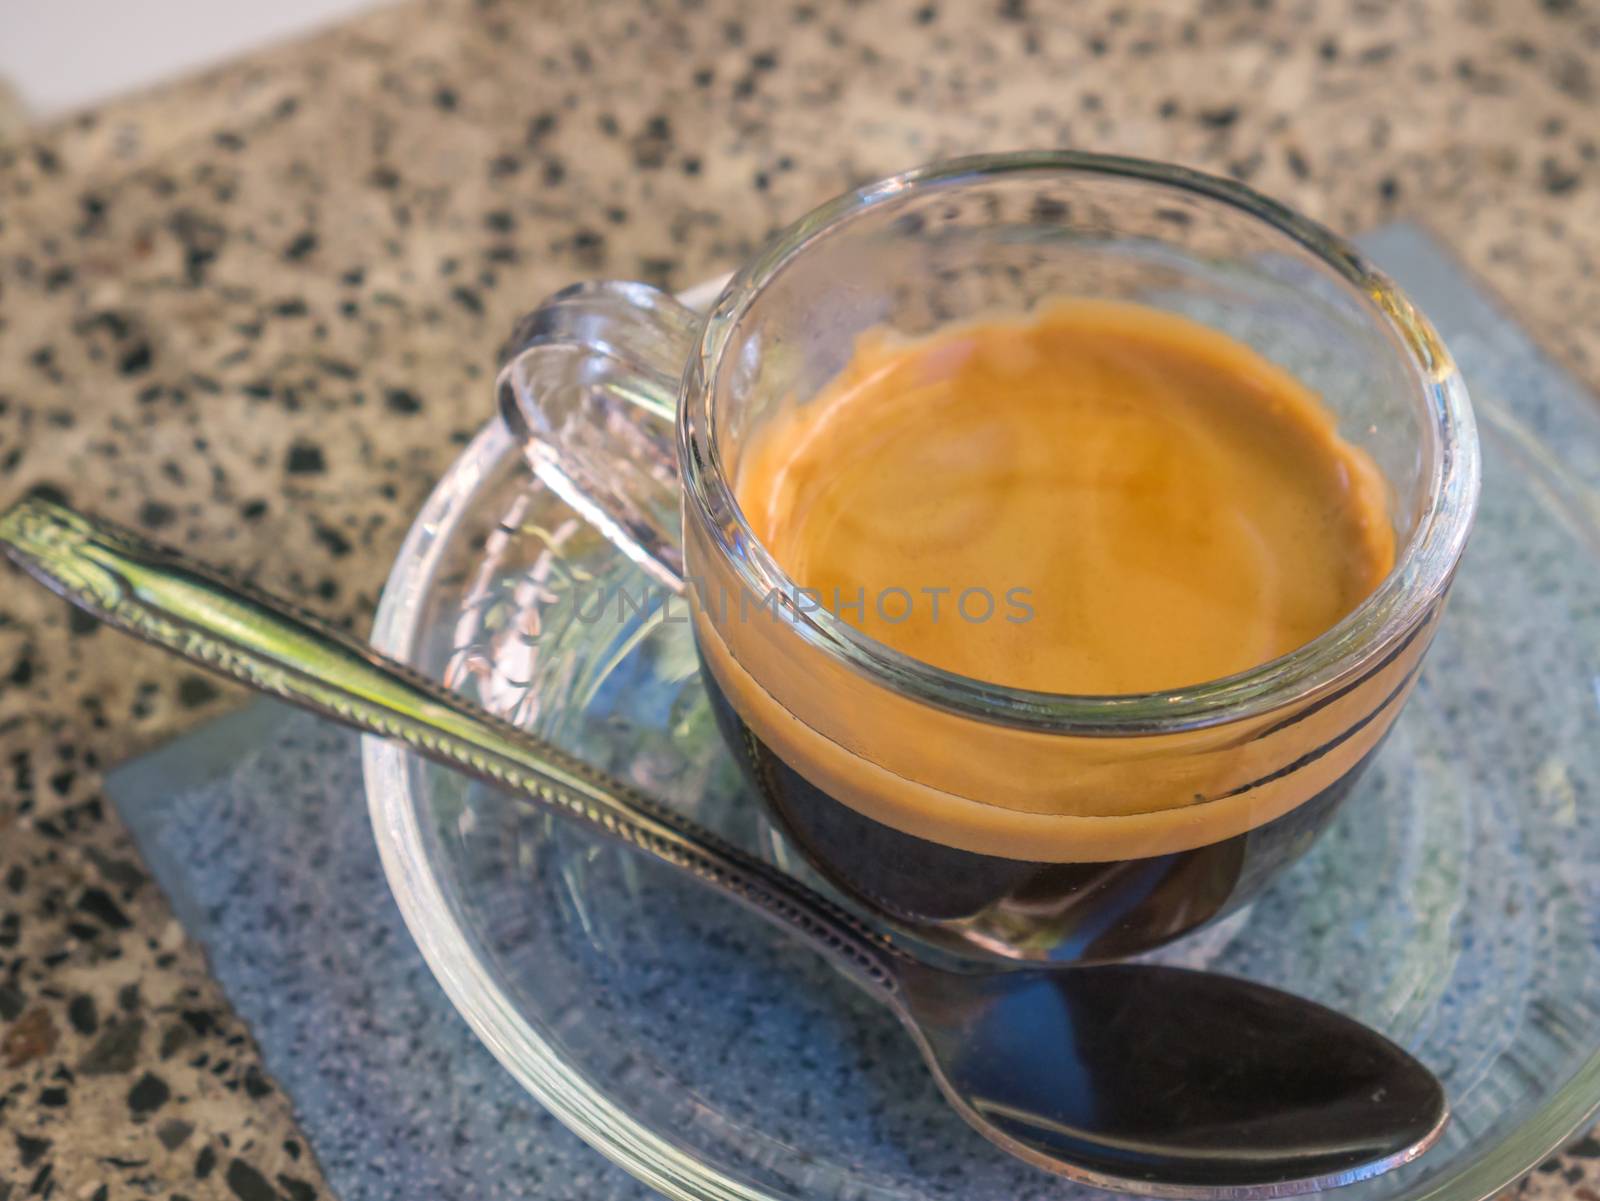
(1179, 1083)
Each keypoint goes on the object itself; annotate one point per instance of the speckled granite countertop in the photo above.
(255, 313)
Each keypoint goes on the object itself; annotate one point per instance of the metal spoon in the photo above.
(1135, 1077)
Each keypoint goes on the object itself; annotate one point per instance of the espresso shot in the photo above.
(1137, 503)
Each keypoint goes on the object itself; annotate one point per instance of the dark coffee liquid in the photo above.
(1084, 911)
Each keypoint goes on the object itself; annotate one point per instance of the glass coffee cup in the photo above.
(980, 818)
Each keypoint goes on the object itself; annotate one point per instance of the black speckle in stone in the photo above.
(296, 1189)
(255, 1084)
(194, 691)
(1571, 76)
(501, 221)
(22, 672)
(29, 1150)
(504, 164)
(204, 1163)
(82, 1014)
(539, 129)
(149, 1093)
(652, 143)
(94, 214)
(248, 1184)
(554, 172)
(155, 515)
(174, 1039)
(228, 140)
(658, 271)
(1048, 210)
(384, 177)
(44, 358)
(201, 239)
(97, 903)
(1587, 1147)
(303, 246)
(766, 60)
(590, 246)
(136, 359)
(1388, 187)
(253, 510)
(49, 493)
(293, 307)
(305, 458)
(1244, 168)
(1298, 167)
(926, 15)
(115, 1051)
(42, 1185)
(703, 77)
(445, 99)
(53, 1098)
(1556, 179)
(1219, 118)
(1012, 10)
(467, 299)
(16, 879)
(336, 543)
(174, 1132)
(399, 400)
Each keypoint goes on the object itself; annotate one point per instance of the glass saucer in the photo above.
(1455, 905)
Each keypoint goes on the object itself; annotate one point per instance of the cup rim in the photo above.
(1418, 579)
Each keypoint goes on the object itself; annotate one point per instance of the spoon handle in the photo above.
(270, 646)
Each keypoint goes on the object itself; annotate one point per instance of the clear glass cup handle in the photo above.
(589, 383)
